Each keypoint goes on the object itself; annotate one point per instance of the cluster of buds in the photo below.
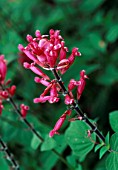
(51, 54)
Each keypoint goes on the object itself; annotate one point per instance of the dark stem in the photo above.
(77, 108)
(9, 156)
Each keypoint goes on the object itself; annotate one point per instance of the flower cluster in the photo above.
(51, 54)
(48, 53)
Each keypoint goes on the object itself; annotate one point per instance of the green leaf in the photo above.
(112, 34)
(35, 142)
(107, 138)
(48, 144)
(76, 137)
(112, 159)
(103, 150)
(98, 146)
(113, 118)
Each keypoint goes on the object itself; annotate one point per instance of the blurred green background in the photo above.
(90, 25)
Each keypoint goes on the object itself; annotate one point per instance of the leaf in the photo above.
(103, 150)
(112, 34)
(112, 159)
(35, 142)
(76, 137)
(113, 118)
(98, 146)
(48, 144)
(107, 138)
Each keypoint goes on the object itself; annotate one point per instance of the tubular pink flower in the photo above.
(3, 69)
(42, 81)
(59, 123)
(73, 84)
(82, 84)
(42, 99)
(36, 70)
(24, 110)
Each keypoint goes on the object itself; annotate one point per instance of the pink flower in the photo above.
(3, 69)
(50, 94)
(47, 52)
(64, 64)
(82, 83)
(35, 70)
(24, 110)
(59, 123)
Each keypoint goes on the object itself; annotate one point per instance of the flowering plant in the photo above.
(51, 54)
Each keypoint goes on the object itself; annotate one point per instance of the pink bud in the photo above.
(12, 90)
(24, 110)
(26, 65)
(38, 34)
(20, 47)
(29, 38)
(4, 94)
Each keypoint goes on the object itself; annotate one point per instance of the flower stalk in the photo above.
(77, 108)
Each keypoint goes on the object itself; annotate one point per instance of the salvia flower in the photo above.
(59, 123)
(50, 94)
(79, 84)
